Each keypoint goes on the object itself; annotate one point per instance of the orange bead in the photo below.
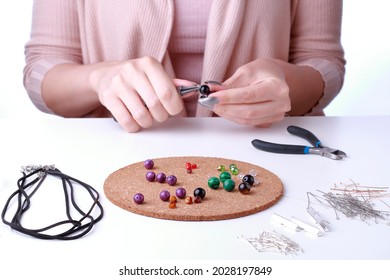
(188, 199)
(173, 199)
(172, 205)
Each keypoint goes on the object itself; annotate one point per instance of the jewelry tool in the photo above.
(204, 92)
(317, 149)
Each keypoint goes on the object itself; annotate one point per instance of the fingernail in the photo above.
(208, 102)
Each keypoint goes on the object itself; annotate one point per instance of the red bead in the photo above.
(188, 165)
(194, 166)
(189, 171)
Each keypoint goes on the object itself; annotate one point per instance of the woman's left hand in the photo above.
(257, 95)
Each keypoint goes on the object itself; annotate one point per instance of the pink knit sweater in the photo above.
(302, 32)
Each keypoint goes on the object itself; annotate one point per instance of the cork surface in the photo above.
(121, 185)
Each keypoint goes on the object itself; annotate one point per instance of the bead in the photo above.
(188, 200)
(213, 183)
(200, 192)
(233, 169)
(173, 199)
(194, 166)
(188, 165)
(165, 195)
(181, 192)
(229, 185)
(204, 90)
(248, 179)
(161, 177)
(148, 164)
(224, 176)
(244, 188)
(138, 198)
(189, 171)
(172, 205)
(198, 199)
(221, 168)
(150, 176)
(171, 180)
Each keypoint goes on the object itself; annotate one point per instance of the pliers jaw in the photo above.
(327, 152)
(184, 90)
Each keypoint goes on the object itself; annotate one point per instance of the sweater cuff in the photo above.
(333, 77)
(33, 83)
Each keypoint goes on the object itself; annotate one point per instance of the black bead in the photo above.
(200, 193)
(204, 90)
(248, 179)
(244, 188)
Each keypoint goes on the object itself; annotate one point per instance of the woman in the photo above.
(125, 58)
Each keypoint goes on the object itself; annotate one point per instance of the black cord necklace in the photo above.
(33, 177)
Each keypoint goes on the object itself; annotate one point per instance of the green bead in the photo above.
(213, 183)
(234, 169)
(229, 185)
(221, 168)
(224, 176)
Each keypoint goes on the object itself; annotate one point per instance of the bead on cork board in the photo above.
(191, 173)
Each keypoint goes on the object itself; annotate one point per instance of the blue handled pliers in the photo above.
(317, 149)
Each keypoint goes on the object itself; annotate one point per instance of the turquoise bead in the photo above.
(224, 176)
(229, 185)
(213, 183)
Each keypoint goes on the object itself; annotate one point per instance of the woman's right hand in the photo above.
(136, 92)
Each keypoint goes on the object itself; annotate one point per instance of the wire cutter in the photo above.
(317, 149)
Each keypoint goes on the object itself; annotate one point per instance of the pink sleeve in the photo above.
(315, 42)
(54, 40)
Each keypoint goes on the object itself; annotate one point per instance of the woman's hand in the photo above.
(257, 94)
(136, 92)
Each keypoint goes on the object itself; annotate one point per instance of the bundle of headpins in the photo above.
(273, 242)
(355, 201)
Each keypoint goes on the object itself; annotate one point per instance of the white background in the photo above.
(365, 38)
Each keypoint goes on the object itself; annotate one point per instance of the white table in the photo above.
(91, 149)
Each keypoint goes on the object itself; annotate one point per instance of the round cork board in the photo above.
(218, 204)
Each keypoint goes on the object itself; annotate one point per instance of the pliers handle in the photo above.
(317, 148)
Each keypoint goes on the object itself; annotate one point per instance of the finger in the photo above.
(122, 115)
(216, 86)
(149, 97)
(263, 91)
(182, 82)
(133, 103)
(253, 114)
(165, 90)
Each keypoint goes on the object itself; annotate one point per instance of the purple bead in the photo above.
(165, 195)
(181, 192)
(138, 198)
(161, 177)
(171, 180)
(148, 164)
(150, 176)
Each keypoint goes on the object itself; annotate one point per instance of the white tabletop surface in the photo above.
(91, 149)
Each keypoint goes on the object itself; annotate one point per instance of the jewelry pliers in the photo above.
(317, 149)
